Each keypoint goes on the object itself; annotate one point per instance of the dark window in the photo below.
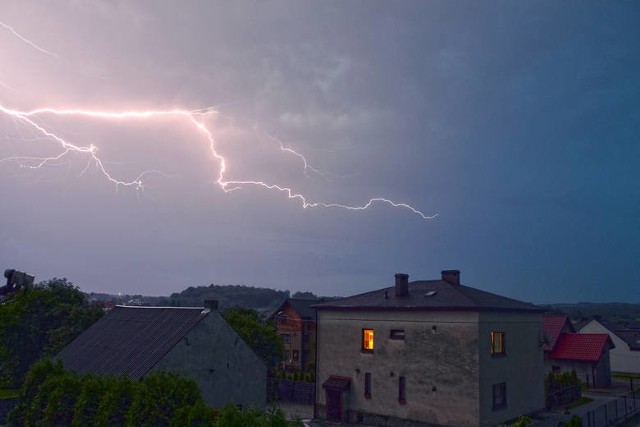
(285, 355)
(286, 338)
(367, 340)
(402, 390)
(396, 334)
(367, 385)
(295, 355)
(499, 396)
(497, 344)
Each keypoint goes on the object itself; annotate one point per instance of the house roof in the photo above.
(630, 336)
(581, 347)
(552, 327)
(130, 340)
(301, 306)
(428, 295)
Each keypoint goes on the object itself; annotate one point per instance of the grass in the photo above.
(582, 401)
(8, 393)
(625, 375)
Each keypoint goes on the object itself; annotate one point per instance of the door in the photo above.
(334, 404)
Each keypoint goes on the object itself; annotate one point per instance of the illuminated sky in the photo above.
(516, 123)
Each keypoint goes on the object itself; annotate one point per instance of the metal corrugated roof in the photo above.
(130, 340)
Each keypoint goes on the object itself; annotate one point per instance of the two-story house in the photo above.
(428, 352)
(295, 320)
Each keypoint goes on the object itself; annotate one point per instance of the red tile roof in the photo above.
(582, 347)
(552, 327)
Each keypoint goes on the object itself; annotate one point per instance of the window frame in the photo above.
(503, 341)
(286, 338)
(402, 390)
(499, 389)
(367, 385)
(363, 341)
(397, 334)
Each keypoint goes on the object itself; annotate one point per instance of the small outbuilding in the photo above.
(195, 342)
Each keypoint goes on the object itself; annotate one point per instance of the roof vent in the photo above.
(402, 285)
(452, 277)
(430, 293)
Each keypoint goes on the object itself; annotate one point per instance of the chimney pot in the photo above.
(402, 285)
(211, 304)
(451, 276)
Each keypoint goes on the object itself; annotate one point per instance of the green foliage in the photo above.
(52, 397)
(260, 335)
(39, 322)
(522, 421)
(561, 380)
(231, 416)
(574, 421)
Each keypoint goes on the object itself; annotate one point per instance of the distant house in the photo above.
(625, 357)
(429, 352)
(587, 354)
(195, 342)
(295, 320)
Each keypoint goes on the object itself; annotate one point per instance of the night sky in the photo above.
(516, 122)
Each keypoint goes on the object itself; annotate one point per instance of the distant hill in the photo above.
(614, 312)
(260, 299)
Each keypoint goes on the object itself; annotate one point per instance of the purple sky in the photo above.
(516, 123)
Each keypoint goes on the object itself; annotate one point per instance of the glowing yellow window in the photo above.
(497, 343)
(367, 339)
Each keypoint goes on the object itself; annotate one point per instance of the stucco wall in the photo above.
(622, 358)
(222, 364)
(521, 368)
(440, 365)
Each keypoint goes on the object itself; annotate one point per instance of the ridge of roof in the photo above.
(429, 295)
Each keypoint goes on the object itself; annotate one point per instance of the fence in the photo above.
(614, 412)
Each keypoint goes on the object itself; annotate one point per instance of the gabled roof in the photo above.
(301, 306)
(630, 336)
(552, 327)
(428, 295)
(581, 347)
(130, 340)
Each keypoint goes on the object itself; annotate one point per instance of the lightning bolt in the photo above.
(196, 118)
(27, 41)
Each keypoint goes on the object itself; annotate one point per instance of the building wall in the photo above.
(521, 367)
(623, 359)
(438, 358)
(222, 364)
(302, 338)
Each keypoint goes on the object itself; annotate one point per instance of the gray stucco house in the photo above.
(429, 353)
(195, 342)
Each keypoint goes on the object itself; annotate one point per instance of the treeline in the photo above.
(52, 397)
(260, 299)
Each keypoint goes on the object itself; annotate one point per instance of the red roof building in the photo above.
(587, 354)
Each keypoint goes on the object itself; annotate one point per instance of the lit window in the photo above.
(499, 396)
(497, 343)
(367, 339)
(396, 334)
(402, 390)
(367, 385)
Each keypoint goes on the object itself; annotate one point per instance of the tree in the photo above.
(260, 335)
(40, 321)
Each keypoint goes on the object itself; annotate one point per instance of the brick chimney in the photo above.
(451, 276)
(402, 285)
(211, 304)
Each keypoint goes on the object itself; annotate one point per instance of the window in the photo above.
(286, 338)
(367, 340)
(499, 396)
(295, 355)
(367, 385)
(497, 343)
(396, 334)
(285, 355)
(402, 390)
